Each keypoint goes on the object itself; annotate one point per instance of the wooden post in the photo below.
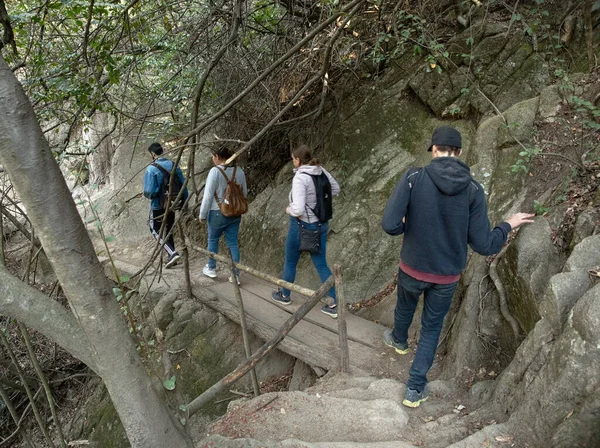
(226, 382)
(238, 296)
(186, 262)
(341, 310)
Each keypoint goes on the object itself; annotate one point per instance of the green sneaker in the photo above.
(400, 347)
(413, 399)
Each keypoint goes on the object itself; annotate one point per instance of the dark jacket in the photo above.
(445, 210)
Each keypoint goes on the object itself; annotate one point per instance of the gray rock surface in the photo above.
(162, 314)
(303, 376)
(561, 295)
(550, 103)
(223, 442)
(520, 119)
(524, 276)
(442, 388)
(316, 418)
(584, 227)
(586, 255)
(480, 393)
(586, 317)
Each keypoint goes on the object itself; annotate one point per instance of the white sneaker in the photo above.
(237, 277)
(212, 273)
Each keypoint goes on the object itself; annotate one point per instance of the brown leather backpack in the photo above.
(234, 202)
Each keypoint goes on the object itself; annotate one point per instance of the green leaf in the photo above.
(124, 278)
(109, 239)
(170, 383)
(182, 407)
(116, 292)
(183, 421)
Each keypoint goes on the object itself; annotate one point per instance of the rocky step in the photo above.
(346, 411)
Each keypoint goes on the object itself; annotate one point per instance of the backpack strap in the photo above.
(161, 169)
(226, 178)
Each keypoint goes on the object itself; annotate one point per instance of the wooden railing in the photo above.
(314, 297)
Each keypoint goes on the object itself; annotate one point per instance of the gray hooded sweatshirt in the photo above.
(303, 197)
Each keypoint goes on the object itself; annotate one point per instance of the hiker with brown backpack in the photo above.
(222, 207)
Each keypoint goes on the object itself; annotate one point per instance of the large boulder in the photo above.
(586, 255)
(524, 276)
(562, 293)
(315, 418)
(567, 385)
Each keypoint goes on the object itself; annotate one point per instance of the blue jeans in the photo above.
(292, 255)
(437, 300)
(217, 225)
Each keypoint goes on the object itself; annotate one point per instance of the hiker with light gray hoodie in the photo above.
(310, 210)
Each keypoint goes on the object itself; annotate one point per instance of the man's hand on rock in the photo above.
(519, 219)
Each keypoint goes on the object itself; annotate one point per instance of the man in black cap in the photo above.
(440, 210)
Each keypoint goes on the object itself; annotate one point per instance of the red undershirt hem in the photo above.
(427, 277)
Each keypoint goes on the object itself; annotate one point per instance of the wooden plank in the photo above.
(313, 341)
(359, 330)
(320, 357)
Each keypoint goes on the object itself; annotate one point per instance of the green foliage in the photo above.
(169, 384)
(525, 156)
(589, 111)
(412, 36)
(539, 208)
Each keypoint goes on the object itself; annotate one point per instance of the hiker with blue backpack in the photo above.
(223, 205)
(165, 198)
(310, 209)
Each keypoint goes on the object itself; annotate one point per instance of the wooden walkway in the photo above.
(315, 339)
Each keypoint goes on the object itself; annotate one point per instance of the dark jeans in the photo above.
(156, 219)
(437, 299)
(219, 225)
(292, 255)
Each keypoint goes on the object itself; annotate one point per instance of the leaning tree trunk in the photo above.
(25, 154)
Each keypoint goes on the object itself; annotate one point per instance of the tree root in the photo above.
(377, 297)
(516, 328)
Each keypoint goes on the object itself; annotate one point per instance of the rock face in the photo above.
(567, 385)
(524, 277)
(506, 68)
(367, 421)
(586, 255)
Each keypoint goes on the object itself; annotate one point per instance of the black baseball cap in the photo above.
(446, 136)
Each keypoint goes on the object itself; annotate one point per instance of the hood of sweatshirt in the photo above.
(449, 174)
(313, 170)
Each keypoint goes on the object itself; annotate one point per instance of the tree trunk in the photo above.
(100, 146)
(26, 156)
